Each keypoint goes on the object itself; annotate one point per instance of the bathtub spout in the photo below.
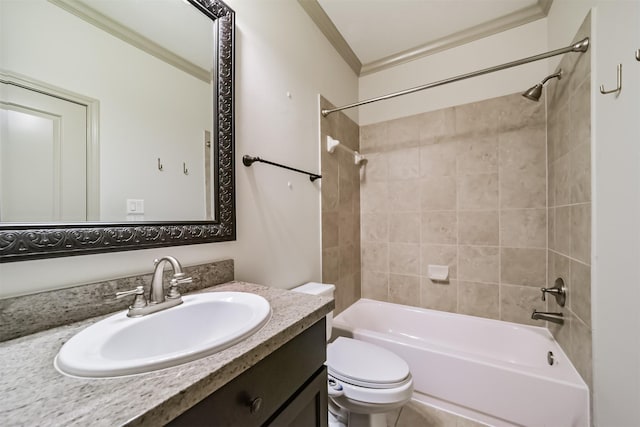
(551, 317)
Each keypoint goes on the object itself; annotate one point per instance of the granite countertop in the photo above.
(33, 392)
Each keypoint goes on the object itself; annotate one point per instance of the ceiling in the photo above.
(376, 34)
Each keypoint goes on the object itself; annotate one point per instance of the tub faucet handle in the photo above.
(558, 291)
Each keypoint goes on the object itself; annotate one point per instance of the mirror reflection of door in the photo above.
(43, 143)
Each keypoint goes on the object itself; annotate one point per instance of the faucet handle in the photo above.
(558, 290)
(178, 279)
(139, 301)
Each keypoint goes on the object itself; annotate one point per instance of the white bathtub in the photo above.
(490, 371)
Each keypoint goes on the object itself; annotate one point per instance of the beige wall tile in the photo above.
(375, 256)
(560, 266)
(404, 289)
(523, 228)
(523, 150)
(330, 191)
(438, 295)
(561, 183)
(373, 136)
(330, 222)
(562, 139)
(439, 255)
(515, 112)
(375, 285)
(478, 155)
(404, 164)
(551, 179)
(376, 168)
(477, 118)
(580, 115)
(581, 232)
(404, 258)
(478, 228)
(580, 165)
(438, 193)
(552, 131)
(438, 158)
(580, 302)
(478, 299)
(582, 63)
(523, 189)
(405, 130)
(348, 194)
(478, 263)
(478, 191)
(551, 228)
(562, 333)
(330, 265)
(404, 195)
(375, 227)
(347, 231)
(518, 302)
(347, 260)
(347, 292)
(436, 124)
(527, 267)
(374, 197)
(404, 227)
(439, 227)
(563, 230)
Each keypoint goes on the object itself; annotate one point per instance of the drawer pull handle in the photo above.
(255, 405)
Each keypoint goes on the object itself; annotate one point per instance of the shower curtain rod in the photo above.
(581, 46)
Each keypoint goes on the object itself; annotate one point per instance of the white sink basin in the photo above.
(202, 325)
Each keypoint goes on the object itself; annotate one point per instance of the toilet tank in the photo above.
(320, 289)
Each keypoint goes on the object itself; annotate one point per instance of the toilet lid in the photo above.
(365, 364)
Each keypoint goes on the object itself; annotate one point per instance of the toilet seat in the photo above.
(362, 364)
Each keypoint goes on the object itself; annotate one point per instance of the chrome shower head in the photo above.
(534, 93)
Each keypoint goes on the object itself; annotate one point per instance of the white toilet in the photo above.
(365, 380)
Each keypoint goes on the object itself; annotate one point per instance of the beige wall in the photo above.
(569, 164)
(340, 208)
(463, 187)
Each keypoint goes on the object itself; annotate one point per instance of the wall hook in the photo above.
(618, 89)
(160, 167)
(184, 169)
(638, 55)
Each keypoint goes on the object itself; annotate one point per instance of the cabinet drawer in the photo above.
(251, 398)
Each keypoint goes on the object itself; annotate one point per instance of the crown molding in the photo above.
(318, 15)
(326, 26)
(92, 16)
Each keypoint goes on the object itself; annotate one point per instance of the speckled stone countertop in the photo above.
(32, 392)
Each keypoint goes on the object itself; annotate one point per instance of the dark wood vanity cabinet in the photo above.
(287, 388)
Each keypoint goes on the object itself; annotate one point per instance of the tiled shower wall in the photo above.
(464, 187)
(569, 163)
(340, 208)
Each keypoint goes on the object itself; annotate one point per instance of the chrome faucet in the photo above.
(558, 290)
(157, 301)
(551, 317)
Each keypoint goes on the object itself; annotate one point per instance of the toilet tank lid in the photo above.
(315, 288)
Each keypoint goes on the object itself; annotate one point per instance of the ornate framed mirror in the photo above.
(187, 194)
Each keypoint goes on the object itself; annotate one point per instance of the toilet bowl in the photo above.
(364, 380)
